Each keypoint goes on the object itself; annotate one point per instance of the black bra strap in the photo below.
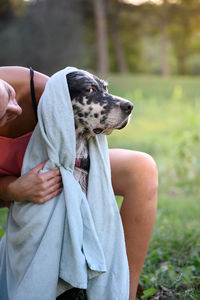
(33, 93)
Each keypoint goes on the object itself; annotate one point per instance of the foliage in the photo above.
(42, 37)
(48, 35)
(10, 9)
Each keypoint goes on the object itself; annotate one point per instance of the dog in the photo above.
(95, 112)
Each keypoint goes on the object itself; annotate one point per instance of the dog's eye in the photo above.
(90, 90)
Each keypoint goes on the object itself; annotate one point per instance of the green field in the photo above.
(165, 123)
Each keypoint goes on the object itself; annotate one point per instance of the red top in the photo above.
(12, 152)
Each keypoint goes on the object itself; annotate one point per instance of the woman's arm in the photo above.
(4, 190)
(32, 186)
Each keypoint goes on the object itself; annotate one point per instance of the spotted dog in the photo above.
(95, 112)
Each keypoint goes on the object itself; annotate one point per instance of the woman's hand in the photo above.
(36, 187)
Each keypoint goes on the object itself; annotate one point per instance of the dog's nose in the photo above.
(126, 106)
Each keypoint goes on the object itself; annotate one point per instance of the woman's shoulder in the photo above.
(19, 78)
(14, 75)
(40, 81)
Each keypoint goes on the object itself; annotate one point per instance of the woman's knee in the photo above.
(133, 172)
(143, 172)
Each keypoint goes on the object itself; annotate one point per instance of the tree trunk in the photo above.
(115, 35)
(164, 54)
(164, 41)
(182, 65)
(102, 40)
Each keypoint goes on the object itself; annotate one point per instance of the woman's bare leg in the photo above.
(135, 177)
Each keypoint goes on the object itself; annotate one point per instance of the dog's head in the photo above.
(95, 110)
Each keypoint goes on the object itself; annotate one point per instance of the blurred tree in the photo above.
(184, 28)
(5, 11)
(48, 36)
(102, 37)
(9, 9)
(164, 38)
(108, 35)
(113, 12)
(175, 24)
(56, 32)
(125, 31)
(89, 31)
(153, 22)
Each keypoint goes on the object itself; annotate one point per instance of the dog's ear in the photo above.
(79, 82)
(72, 84)
(71, 77)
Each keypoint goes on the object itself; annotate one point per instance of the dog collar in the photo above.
(83, 163)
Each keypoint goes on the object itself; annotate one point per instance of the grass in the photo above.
(3, 216)
(165, 124)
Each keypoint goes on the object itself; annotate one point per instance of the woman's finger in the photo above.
(50, 174)
(39, 167)
(48, 197)
(52, 188)
(51, 182)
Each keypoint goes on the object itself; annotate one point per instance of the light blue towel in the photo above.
(78, 240)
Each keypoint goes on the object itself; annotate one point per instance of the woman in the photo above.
(134, 174)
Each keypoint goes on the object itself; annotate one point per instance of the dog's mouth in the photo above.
(108, 131)
(103, 131)
(98, 130)
(123, 124)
